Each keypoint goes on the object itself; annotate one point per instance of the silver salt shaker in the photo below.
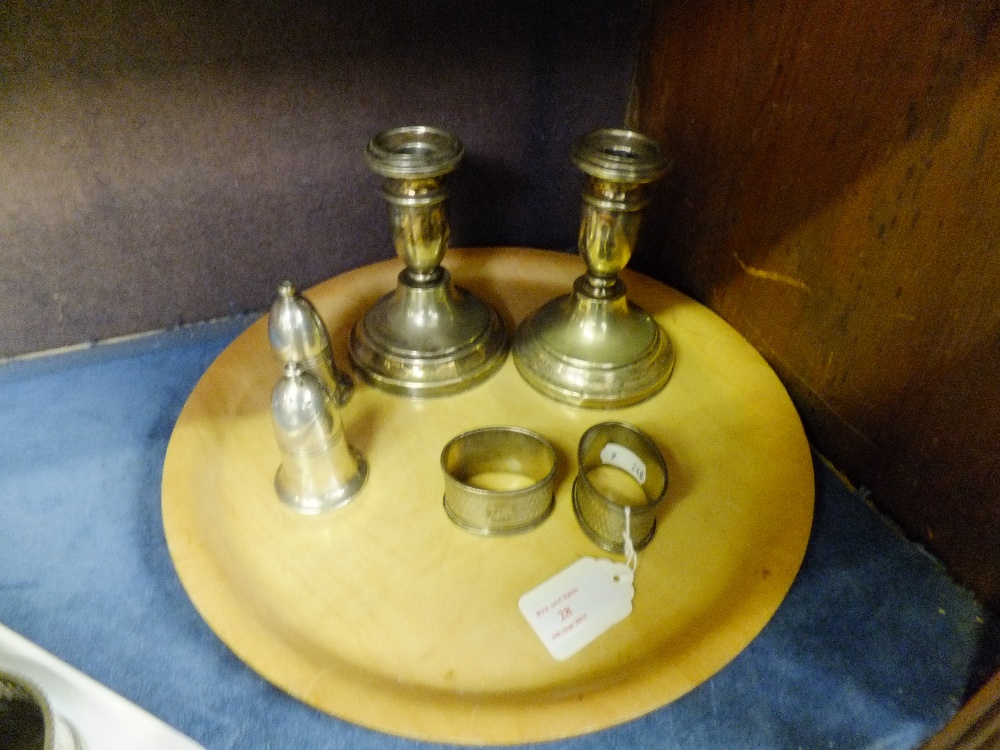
(297, 334)
(319, 471)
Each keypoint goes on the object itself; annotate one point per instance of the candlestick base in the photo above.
(428, 338)
(593, 350)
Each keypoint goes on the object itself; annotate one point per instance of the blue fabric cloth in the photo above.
(874, 647)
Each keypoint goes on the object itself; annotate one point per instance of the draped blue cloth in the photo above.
(874, 647)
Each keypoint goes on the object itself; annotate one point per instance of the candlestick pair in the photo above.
(590, 348)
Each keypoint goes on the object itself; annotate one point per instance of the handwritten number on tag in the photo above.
(578, 604)
(614, 454)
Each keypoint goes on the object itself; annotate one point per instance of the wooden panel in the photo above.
(836, 197)
(976, 726)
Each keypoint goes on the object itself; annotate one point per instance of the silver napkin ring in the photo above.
(621, 481)
(498, 480)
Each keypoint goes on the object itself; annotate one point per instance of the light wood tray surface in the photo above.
(386, 614)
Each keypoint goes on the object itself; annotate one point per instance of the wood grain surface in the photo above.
(836, 197)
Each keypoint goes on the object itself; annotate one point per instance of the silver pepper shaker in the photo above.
(319, 471)
(297, 334)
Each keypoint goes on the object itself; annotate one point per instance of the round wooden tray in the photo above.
(386, 614)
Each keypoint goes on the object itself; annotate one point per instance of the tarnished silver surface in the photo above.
(319, 471)
(428, 337)
(498, 480)
(297, 334)
(592, 347)
(27, 721)
(634, 477)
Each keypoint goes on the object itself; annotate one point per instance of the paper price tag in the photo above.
(578, 604)
(624, 459)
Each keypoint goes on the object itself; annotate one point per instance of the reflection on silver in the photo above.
(319, 471)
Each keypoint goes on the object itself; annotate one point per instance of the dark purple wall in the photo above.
(173, 162)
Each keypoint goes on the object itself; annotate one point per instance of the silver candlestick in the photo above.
(593, 348)
(428, 337)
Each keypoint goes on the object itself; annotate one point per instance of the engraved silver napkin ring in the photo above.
(620, 484)
(498, 480)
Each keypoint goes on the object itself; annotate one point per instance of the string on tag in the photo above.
(631, 558)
